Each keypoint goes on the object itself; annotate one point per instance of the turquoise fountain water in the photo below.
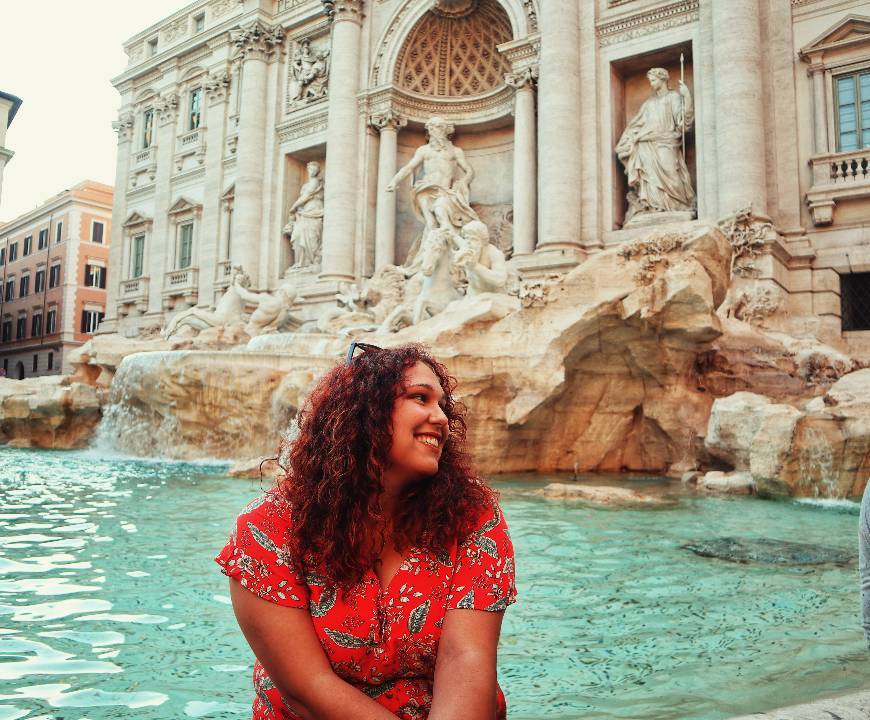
(111, 607)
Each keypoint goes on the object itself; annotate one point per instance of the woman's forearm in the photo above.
(331, 698)
(465, 689)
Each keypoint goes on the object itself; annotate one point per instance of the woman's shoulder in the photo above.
(269, 512)
(488, 517)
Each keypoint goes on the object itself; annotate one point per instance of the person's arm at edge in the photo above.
(304, 676)
(465, 668)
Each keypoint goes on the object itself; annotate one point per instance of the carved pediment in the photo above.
(136, 218)
(851, 30)
(183, 205)
(230, 193)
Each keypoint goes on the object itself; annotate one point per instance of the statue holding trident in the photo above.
(440, 197)
(652, 148)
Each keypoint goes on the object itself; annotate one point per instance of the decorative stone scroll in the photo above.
(527, 77)
(388, 120)
(258, 40)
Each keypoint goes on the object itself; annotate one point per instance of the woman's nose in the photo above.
(438, 416)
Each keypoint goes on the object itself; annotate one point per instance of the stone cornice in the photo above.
(522, 53)
(258, 40)
(649, 21)
(303, 123)
(459, 110)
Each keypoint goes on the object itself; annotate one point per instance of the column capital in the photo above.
(167, 108)
(339, 10)
(124, 126)
(525, 78)
(216, 86)
(257, 41)
(388, 121)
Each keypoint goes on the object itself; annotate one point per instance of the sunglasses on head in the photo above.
(365, 347)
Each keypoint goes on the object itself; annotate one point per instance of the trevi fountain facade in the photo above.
(633, 229)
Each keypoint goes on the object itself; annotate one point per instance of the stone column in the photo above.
(388, 124)
(820, 108)
(161, 251)
(256, 45)
(341, 184)
(118, 265)
(525, 160)
(559, 132)
(739, 106)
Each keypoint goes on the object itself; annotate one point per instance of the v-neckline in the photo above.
(403, 558)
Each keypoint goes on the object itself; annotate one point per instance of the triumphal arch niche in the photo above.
(473, 65)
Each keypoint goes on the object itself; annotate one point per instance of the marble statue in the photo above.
(366, 308)
(438, 288)
(484, 264)
(227, 311)
(440, 197)
(651, 150)
(305, 222)
(309, 72)
(273, 310)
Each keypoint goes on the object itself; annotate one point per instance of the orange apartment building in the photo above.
(53, 266)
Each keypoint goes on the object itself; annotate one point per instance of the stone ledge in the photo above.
(846, 707)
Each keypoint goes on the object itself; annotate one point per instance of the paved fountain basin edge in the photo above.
(854, 706)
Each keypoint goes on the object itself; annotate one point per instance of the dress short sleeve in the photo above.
(258, 554)
(484, 577)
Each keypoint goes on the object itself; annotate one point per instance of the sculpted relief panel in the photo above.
(307, 74)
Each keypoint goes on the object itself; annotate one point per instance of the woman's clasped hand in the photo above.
(371, 580)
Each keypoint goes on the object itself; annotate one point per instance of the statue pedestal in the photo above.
(643, 219)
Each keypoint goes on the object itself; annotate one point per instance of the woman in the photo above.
(371, 582)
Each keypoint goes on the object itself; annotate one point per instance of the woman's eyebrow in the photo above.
(428, 387)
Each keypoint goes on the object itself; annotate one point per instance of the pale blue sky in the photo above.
(58, 57)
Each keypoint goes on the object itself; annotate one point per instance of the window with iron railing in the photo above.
(852, 100)
(855, 301)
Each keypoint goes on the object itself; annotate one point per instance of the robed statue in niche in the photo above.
(652, 148)
(305, 222)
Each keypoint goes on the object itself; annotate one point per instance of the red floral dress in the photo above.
(383, 642)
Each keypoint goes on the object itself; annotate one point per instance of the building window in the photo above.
(51, 322)
(36, 325)
(2, 256)
(853, 111)
(7, 329)
(185, 246)
(91, 320)
(58, 233)
(43, 238)
(54, 276)
(855, 301)
(97, 232)
(13, 252)
(195, 109)
(152, 47)
(21, 328)
(10, 290)
(199, 22)
(24, 287)
(147, 128)
(28, 245)
(51, 361)
(95, 276)
(39, 284)
(35, 362)
(138, 256)
(5, 365)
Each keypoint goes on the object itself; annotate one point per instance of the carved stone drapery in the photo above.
(124, 126)
(217, 86)
(167, 108)
(258, 40)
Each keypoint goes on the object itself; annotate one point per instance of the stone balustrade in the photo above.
(837, 176)
(181, 284)
(223, 273)
(191, 140)
(133, 290)
(145, 157)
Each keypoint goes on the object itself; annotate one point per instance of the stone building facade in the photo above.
(54, 271)
(226, 103)
(9, 105)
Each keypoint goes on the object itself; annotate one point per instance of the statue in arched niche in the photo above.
(440, 197)
(651, 150)
(305, 222)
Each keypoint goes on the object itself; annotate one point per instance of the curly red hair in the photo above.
(335, 464)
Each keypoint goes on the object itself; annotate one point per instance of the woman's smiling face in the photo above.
(419, 426)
